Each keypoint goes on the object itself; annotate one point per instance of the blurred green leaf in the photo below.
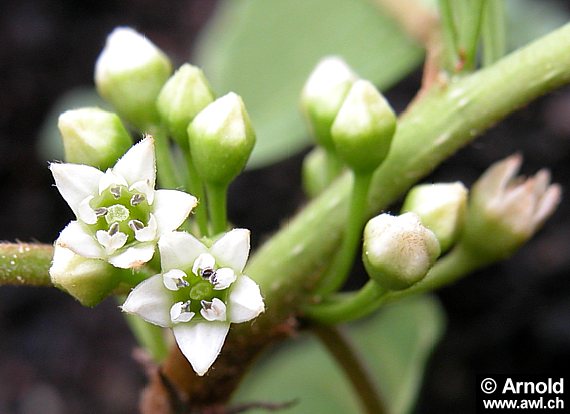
(395, 343)
(529, 19)
(265, 49)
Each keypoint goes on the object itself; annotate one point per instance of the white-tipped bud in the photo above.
(441, 208)
(363, 128)
(87, 280)
(92, 136)
(398, 251)
(221, 139)
(183, 96)
(323, 95)
(505, 211)
(129, 73)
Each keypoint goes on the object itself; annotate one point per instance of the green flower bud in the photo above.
(92, 136)
(183, 96)
(87, 280)
(504, 211)
(323, 95)
(441, 208)
(129, 73)
(221, 140)
(398, 251)
(363, 128)
(319, 170)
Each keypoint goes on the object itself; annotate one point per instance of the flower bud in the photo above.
(319, 170)
(92, 136)
(363, 128)
(323, 94)
(129, 73)
(221, 140)
(87, 280)
(183, 96)
(504, 211)
(441, 208)
(398, 251)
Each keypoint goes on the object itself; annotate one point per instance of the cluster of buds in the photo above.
(122, 219)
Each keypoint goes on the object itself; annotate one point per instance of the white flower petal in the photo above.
(151, 301)
(111, 243)
(179, 312)
(201, 342)
(232, 249)
(133, 257)
(174, 279)
(245, 301)
(147, 233)
(75, 238)
(85, 213)
(204, 261)
(224, 278)
(75, 182)
(214, 310)
(171, 207)
(179, 250)
(138, 164)
(109, 179)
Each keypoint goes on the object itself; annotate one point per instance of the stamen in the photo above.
(136, 199)
(175, 279)
(136, 225)
(101, 211)
(113, 229)
(115, 191)
(214, 310)
(208, 273)
(180, 312)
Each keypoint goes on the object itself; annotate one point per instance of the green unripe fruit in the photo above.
(183, 96)
(221, 140)
(92, 136)
(363, 128)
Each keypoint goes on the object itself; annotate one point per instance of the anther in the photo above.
(136, 199)
(115, 191)
(207, 273)
(207, 305)
(136, 225)
(101, 211)
(114, 229)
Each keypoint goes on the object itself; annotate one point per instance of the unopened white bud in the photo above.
(323, 95)
(398, 251)
(130, 73)
(441, 208)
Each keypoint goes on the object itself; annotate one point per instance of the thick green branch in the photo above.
(25, 264)
(445, 119)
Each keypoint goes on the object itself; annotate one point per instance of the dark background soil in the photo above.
(57, 357)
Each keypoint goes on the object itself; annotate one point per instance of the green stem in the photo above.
(449, 35)
(348, 358)
(442, 121)
(25, 264)
(196, 188)
(148, 336)
(217, 207)
(493, 32)
(351, 306)
(164, 162)
(473, 29)
(342, 263)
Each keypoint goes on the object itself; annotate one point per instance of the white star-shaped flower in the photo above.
(199, 293)
(120, 215)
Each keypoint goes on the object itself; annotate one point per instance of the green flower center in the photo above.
(119, 209)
